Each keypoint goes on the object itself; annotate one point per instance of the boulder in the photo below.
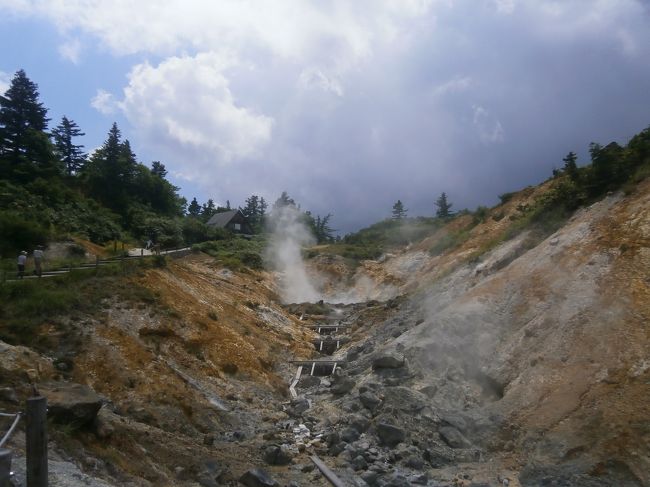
(257, 477)
(68, 402)
(389, 434)
(104, 427)
(277, 455)
(388, 360)
(210, 474)
(369, 400)
(349, 435)
(297, 407)
(453, 437)
(343, 385)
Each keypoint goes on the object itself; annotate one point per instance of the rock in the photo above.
(307, 467)
(370, 478)
(414, 462)
(389, 434)
(257, 477)
(277, 455)
(309, 381)
(359, 463)
(453, 437)
(360, 424)
(336, 450)
(68, 402)
(9, 395)
(298, 406)
(208, 440)
(104, 423)
(369, 400)
(349, 435)
(209, 474)
(332, 438)
(343, 385)
(398, 480)
(390, 360)
(422, 479)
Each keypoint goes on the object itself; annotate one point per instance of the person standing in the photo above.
(22, 259)
(38, 260)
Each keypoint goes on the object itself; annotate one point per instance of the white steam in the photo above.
(284, 253)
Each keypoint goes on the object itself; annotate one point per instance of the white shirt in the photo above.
(22, 259)
(38, 254)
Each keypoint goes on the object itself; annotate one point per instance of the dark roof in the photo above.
(222, 219)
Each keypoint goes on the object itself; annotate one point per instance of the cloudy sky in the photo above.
(347, 105)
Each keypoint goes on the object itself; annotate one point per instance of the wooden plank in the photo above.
(317, 362)
(36, 439)
(327, 473)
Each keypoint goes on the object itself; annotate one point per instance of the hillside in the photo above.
(485, 353)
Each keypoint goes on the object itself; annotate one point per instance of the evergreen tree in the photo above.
(444, 206)
(399, 211)
(25, 149)
(228, 205)
(71, 155)
(194, 209)
(570, 166)
(283, 200)
(322, 230)
(158, 169)
(110, 172)
(208, 210)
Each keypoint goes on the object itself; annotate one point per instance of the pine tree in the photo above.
(194, 209)
(110, 172)
(399, 211)
(570, 166)
(69, 154)
(158, 169)
(25, 149)
(283, 200)
(208, 210)
(444, 207)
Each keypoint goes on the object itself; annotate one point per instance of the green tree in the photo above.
(283, 200)
(208, 210)
(70, 154)
(110, 172)
(194, 209)
(25, 149)
(158, 169)
(399, 211)
(444, 206)
(570, 166)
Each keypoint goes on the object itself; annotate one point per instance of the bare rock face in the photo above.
(68, 402)
(453, 437)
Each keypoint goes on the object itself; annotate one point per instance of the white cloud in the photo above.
(489, 128)
(185, 103)
(455, 85)
(5, 81)
(71, 50)
(315, 78)
(104, 102)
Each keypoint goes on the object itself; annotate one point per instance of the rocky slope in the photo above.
(494, 362)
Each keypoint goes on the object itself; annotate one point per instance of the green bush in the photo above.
(18, 233)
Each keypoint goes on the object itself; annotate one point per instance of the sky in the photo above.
(346, 105)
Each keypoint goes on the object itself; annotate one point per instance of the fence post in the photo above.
(36, 436)
(5, 467)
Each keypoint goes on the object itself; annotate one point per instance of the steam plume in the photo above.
(289, 235)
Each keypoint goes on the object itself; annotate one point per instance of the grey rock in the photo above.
(210, 474)
(390, 360)
(337, 449)
(309, 381)
(453, 437)
(389, 434)
(277, 455)
(297, 407)
(257, 477)
(359, 463)
(104, 423)
(369, 400)
(68, 402)
(422, 479)
(343, 385)
(349, 435)
(360, 423)
(370, 478)
(414, 462)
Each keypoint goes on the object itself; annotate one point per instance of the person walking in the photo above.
(22, 259)
(38, 260)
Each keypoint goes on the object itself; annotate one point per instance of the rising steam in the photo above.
(289, 235)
